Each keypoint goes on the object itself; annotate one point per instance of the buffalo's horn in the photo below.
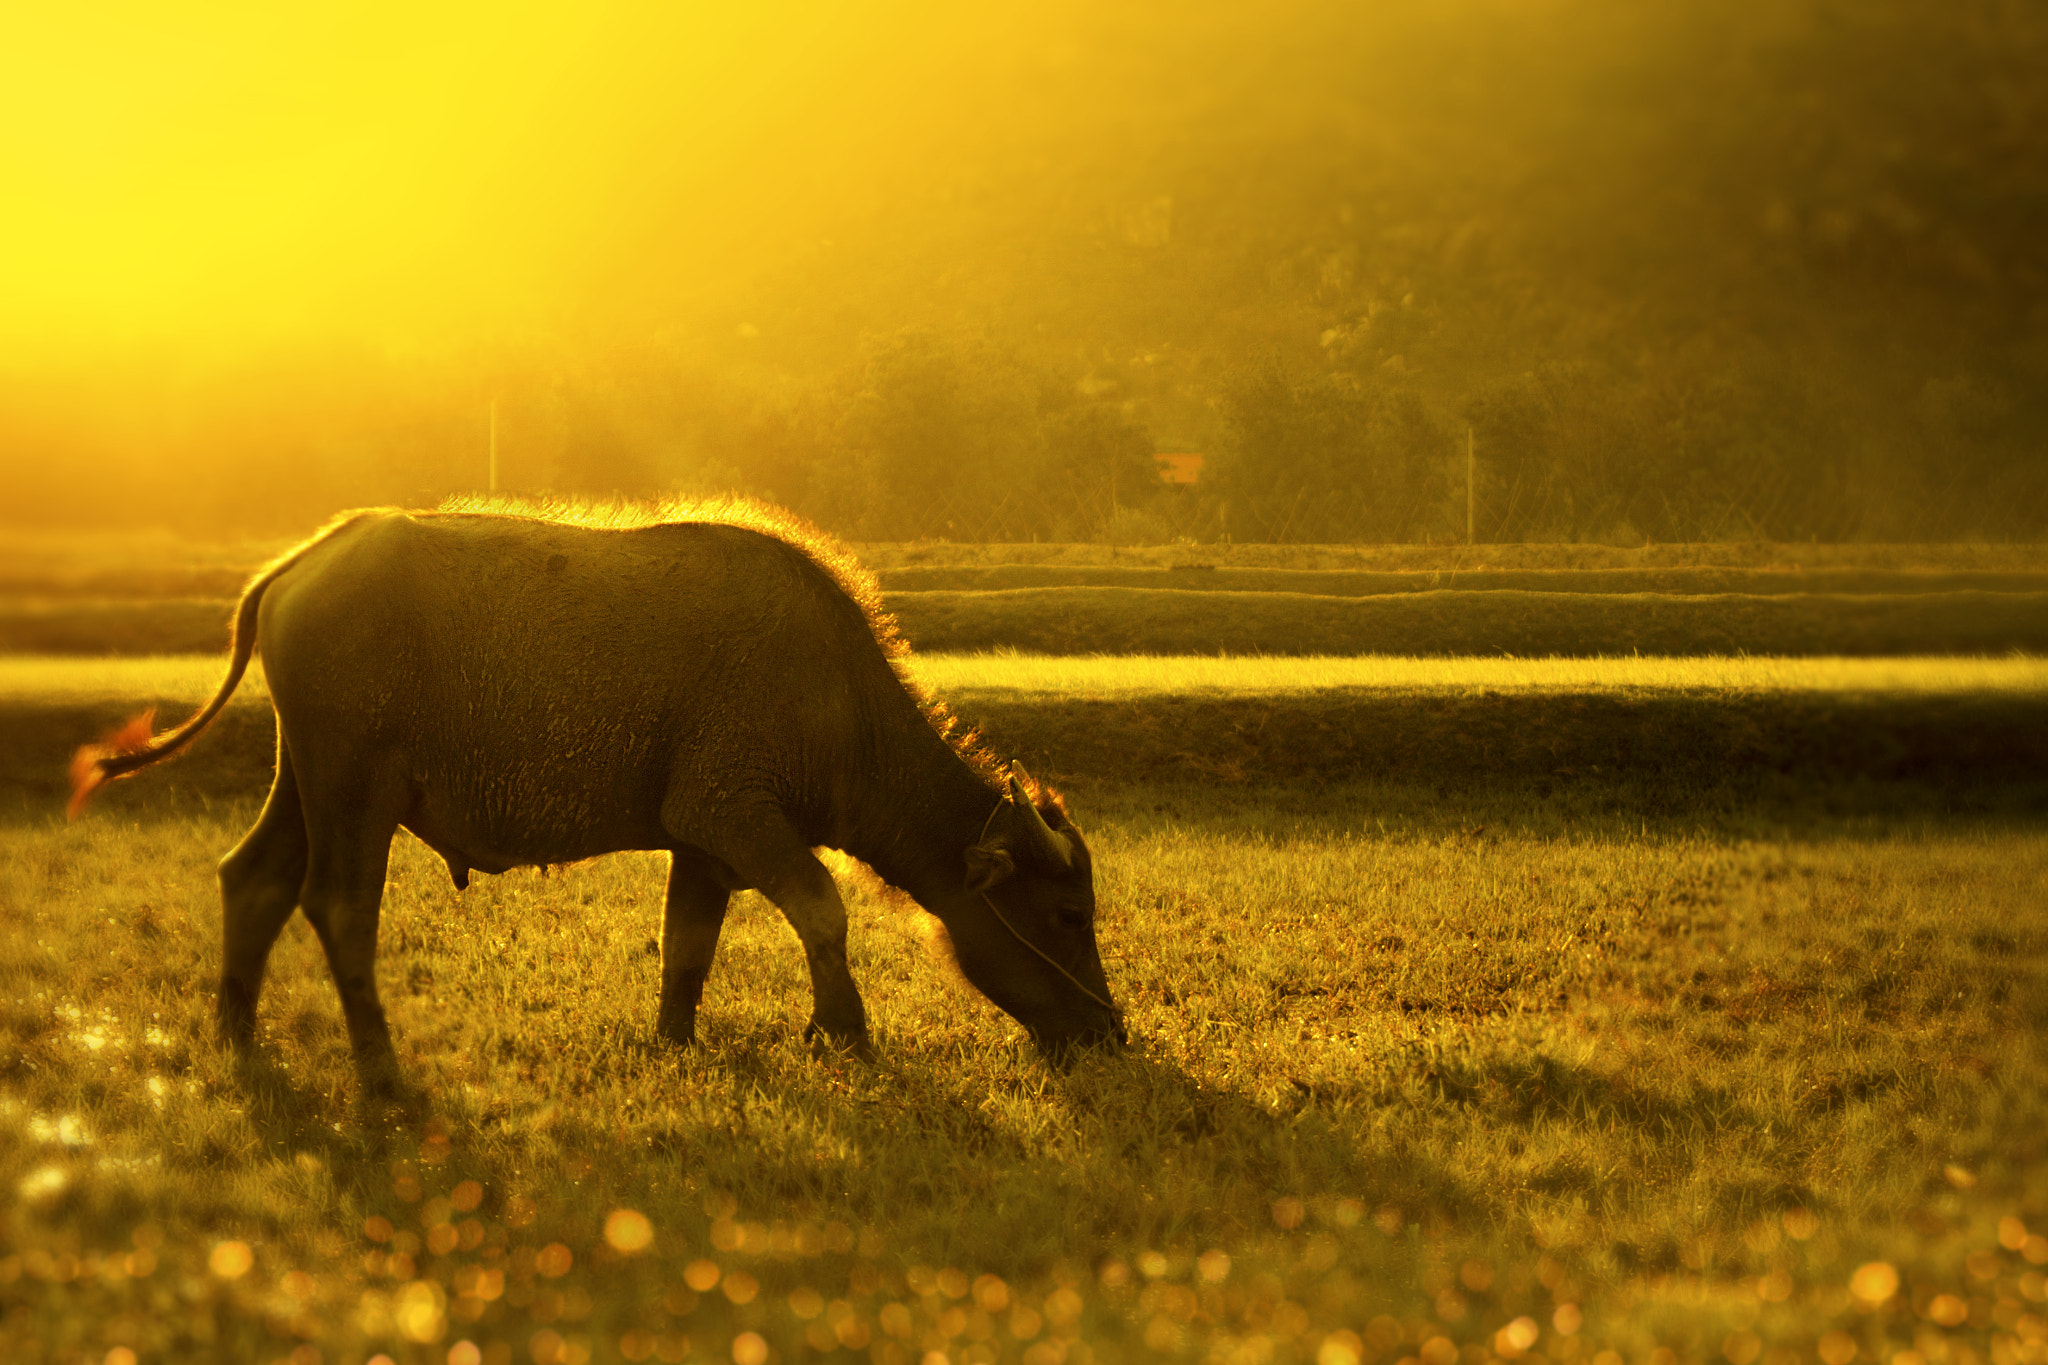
(1048, 839)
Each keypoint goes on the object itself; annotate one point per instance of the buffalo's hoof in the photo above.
(827, 1044)
(234, 1021)
(238, 1038)
(382, 1089)
(390, 1101)
(1065, 1049)
(671, 1033)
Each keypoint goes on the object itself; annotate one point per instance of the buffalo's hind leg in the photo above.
(260, 882)
(349, 851)
(691, 918)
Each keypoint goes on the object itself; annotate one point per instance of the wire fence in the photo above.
(1769, 504)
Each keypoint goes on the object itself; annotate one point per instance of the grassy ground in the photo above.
(109, 565)
(189, 679)
(124, 625)
(129, 564)
(1460, 558)
(1756, 740)
(1104, 676)
(173, 581)
(1154, 621)
(1725, 1048)
(1416, 1077)
(1112, 620)
(81, 594)
(1691, 582)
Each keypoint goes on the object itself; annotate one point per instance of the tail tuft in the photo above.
(89, 764)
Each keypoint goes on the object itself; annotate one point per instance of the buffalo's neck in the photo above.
(915, 832)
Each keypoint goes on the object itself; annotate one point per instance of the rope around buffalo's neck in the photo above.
(1052, 961)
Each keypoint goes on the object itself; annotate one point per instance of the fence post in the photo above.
(1470, 464)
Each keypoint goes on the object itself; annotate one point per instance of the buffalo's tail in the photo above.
(134, 746)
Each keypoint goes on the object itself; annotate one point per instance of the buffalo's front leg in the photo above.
(804, 891)
(809, 899)
(763, 851)
(691, 919)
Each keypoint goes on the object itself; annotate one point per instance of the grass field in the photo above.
(74, 594)
(1754, 555)
(190, 679)
(1112, 620)
(1457, 623)
(1757, 741)
(1395, 1093)
(1688, 582)
(1066, 676)
(204, 581)
(1625, 1011)
(118, 565)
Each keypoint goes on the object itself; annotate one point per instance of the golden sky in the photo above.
(229, 173)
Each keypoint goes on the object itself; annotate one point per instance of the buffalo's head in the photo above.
(1027, 938)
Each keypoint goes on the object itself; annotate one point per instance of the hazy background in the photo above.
(1690, 270)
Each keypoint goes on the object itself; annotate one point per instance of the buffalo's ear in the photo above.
(987, 866)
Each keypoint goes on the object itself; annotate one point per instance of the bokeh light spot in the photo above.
(628, 1232)
(1874, 1282)
(230, 1260)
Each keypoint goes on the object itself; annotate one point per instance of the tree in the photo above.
(1332, 457)
(1097, 466)
(1564, 451)
(939, 439)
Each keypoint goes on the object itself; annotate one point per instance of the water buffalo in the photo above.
(517, 690)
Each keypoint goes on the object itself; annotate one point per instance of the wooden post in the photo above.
(494, 445)
(1470, 464)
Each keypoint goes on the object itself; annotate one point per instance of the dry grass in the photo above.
(1452, 623)
(128, 564)
(176, 679)
(1758, 740)
(1175, 621)
(191, 678)
(1691, 582)
(1753, 555)
(160, 564)
(97, 595)
(1013, 674)
(1400, 1091)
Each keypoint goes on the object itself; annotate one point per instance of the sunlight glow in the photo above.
(1133, 675)
(228, 172)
